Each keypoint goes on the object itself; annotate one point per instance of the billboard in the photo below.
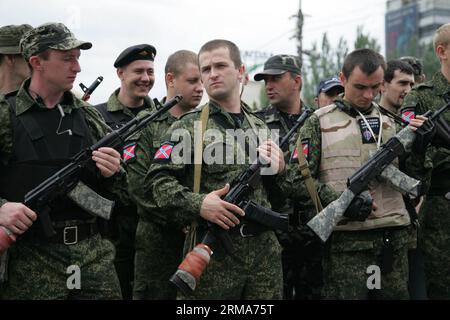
(402, 26)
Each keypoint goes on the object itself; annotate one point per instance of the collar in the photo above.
(349, 108)
(441, 84)
(24, 101)
(114, 105)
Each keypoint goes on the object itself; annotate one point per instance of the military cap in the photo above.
(279, 64)
(137, 52)
(415, 63)
(328, 84)
(10, 38)
(53, 35)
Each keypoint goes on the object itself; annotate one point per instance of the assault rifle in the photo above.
(66, 178)
(324, 222)
(88, 91)
(260, 218)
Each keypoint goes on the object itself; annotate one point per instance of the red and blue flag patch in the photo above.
(408, 113)
(164, 152)
(129, 152)
(305, 146)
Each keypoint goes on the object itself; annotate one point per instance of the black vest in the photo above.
(38, 152)
(114, 120)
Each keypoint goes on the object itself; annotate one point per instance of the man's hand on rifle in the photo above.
(425, 131)
(271, 153)
(220, 212)
(107, 161)
(16, 217)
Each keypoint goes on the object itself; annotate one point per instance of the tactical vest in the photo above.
(38, 152)
(343, 152)
(114, 120)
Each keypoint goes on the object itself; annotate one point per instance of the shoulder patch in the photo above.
(306, 148)
(164, 152)
(408, 113)
(129, 152)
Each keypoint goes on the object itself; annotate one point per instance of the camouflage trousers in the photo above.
(434, 240)
(125, 252)
(158, 253)
(253, 272)
(352, 258)
(302, 270)
(49, 271)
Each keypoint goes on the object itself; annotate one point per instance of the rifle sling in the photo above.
(198, 161)
(306, 173)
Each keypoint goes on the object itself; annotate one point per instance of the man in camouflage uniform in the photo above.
(434, 239)
(375, 229)
(399, 79)
(159, 244)
(254, 271)
(41, 128)
(136, 73)
(13, 67)
(302, 253)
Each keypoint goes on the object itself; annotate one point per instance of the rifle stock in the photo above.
(66, 178)
(189, 271)
(324, 222)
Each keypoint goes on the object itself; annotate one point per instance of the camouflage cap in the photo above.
(51, 35)
(10, 38)
(279, 64)
(415, 63)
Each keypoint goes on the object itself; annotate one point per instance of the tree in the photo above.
(365, 41)
(430, 62)
(328, 61)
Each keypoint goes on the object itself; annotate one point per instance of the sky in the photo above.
(260, 28)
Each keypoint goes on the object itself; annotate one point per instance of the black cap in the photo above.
(138, 52)
(279, 64)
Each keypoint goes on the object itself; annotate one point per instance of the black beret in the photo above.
(138, 52)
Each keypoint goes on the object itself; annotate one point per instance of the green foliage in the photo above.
(327, 61)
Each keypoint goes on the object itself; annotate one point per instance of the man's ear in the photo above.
(36, 63)
(342, 78)
(440, 52)
(242, 73)
(170, 78)
(119, 72)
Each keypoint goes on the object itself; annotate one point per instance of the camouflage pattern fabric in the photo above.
(32, 258)
(350, 253)
(301, 250)
(50, 36)
(255, 271)
(123, 224)
(10, 38)
(434, 239)
(154, 237)
(40, 271)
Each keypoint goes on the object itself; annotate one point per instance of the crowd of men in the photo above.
(170, 182)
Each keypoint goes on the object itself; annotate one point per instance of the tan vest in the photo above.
(343, 152)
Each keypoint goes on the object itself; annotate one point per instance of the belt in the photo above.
(68, 235)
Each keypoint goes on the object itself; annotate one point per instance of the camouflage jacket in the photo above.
(25, 102)
(147, 142)
(275, 120)
(171, 184)
(114, 105)
(431, 96)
